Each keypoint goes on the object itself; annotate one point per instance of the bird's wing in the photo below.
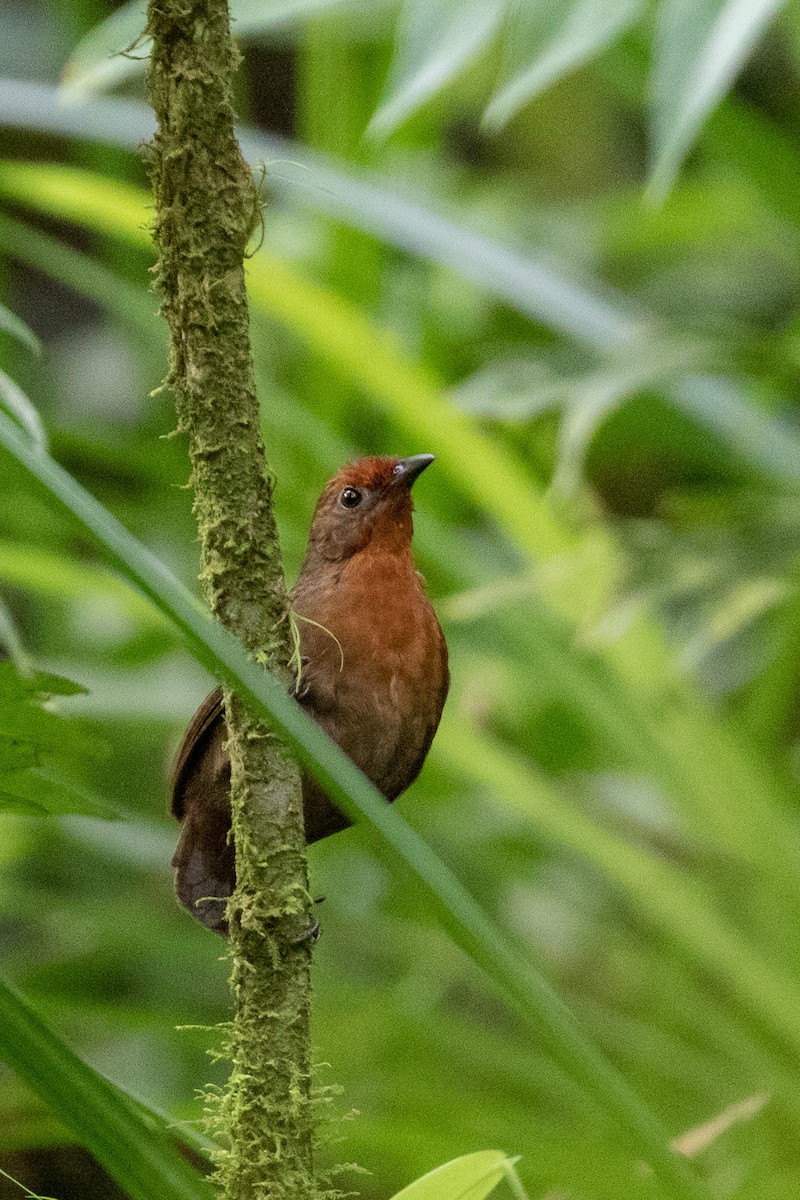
(204, 720)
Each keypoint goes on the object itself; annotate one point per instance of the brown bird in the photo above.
(374, 673)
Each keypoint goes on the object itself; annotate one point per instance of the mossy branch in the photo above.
(206, 207)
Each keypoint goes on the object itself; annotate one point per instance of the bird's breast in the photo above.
(375, 648)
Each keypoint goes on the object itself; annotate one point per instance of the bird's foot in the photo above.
(310, 934)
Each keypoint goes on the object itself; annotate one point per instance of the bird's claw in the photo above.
(310, 934)
(313, 931)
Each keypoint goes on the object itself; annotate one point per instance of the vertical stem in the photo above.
(206, 207)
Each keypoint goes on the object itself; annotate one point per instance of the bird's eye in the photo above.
(350, 497)
(398, 470)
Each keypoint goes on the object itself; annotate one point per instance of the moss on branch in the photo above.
(206, 207)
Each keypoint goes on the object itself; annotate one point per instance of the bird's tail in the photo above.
(205, 874)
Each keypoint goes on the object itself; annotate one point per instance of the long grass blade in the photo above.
(546, 41)
(540, 288)
(20, 406)
(471, 1177)
(135, 306)
(109, 53)
(15, 327)
(675, 905)
(575, 573)
(700, 47)
(114, 50)
(433, 43)
(762, 439)
(135, 1152)
(548, 1018)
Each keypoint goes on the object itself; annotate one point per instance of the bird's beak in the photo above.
(409, 468)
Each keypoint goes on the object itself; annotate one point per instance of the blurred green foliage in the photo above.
(611, 535)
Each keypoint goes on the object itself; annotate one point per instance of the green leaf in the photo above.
(670, 900)
(546, 41)
(42, 795)
(22, 685)
(11, 640)
(719, 805)
(525, 988)
(593, 397)
(588, 406)
(543, 290)
(139, 1155)
(33, 743)
(135, 306)
(48, 573)
(10, 323)
(350, 341)
(471, 1177)
(742, 605)
(700, 47)
(434, 42)
(22, 409)
(765, 441)
(22, 722)
(252, 17)
(16, 687)
(111, 52)
(15, 756)
(47, 684)
(520, 389)
(116, 49)
(511, 389)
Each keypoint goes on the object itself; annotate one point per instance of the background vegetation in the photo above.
(546, 249)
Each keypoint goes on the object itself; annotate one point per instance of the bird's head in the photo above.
(367, 503)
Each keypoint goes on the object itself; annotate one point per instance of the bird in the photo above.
(374, 674)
